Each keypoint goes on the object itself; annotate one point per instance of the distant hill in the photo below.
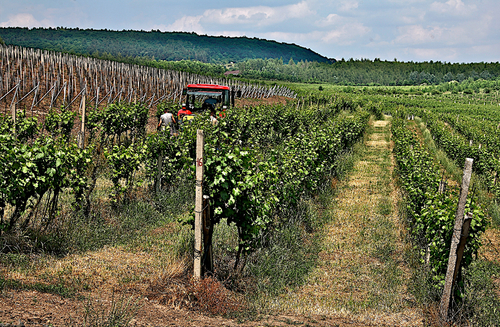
(156, 44)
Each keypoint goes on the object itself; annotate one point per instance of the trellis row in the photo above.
(38, 80)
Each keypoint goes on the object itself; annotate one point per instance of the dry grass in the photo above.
(380, 123)
(106, 269)
(491, 245)
(156, 254)
(361, 270)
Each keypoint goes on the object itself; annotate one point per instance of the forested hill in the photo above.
(156, 45)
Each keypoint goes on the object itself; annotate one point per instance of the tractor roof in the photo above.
(208, 86)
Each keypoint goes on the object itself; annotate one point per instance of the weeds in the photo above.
(207, 295)
(213, 298)
(54, 288)
(480, 305)
(285, 261)
(118, 314)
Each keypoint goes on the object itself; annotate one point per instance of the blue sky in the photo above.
(408, 30)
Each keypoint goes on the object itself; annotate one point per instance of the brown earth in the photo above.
(33, 308)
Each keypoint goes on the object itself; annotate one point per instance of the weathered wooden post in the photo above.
(158, 175)
(198, 208)
(456, 242)
(81, 138)
(13, 112)
(442, 187)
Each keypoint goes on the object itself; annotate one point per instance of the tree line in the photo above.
(156, 45)
(368, 72)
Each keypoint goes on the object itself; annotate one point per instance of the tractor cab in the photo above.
(201, 97)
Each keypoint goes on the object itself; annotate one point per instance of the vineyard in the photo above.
(60, 196)
(37, 81)
(115, 213)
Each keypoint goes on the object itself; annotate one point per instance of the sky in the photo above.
(460, 31)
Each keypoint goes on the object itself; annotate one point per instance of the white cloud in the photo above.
(453, 7)
(186, 23)
(466, 33)
(260, 15)
(434, 53)
(417, 34)
(346, 34)
(256, 16)
(25, 20)
(415, 17)
(348, 5)
(331, 19)
(343, 35)
(487, 53)
(449, 54)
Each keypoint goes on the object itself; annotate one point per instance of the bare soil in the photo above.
(33, 308)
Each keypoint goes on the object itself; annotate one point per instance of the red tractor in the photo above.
(201, 97)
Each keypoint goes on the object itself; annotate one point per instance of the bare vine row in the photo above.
(38, 80)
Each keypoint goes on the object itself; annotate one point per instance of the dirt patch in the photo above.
(255, 102)
(33, 308)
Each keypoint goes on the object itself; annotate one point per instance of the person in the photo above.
(222, 114)
(184, 111)
(213, 119)
(166, 120)
(209, 104)
(211, 101)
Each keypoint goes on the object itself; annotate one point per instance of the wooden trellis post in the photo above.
(198, 208)
(158, 175)
(460, 233)
(81, 138)
(13, 112)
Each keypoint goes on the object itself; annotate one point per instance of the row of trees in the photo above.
(367, 72)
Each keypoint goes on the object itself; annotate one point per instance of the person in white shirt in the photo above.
(166, 121)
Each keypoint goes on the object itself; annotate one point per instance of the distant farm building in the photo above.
(232, 72)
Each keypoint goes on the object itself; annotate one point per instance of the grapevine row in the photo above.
(486, 133)
(457, 147)
(259, 160)
(431, 213)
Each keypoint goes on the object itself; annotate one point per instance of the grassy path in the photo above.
(362, 274)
